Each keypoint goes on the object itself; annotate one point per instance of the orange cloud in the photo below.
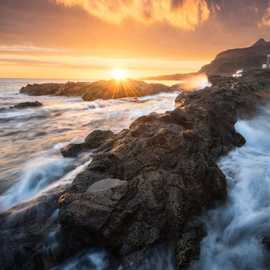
(184, 14)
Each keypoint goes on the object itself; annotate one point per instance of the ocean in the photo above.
(31, 138)
(31, 164)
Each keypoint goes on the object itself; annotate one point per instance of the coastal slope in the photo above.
(145, 185)
(229, 62)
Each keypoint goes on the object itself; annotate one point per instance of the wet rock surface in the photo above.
(147, 184)
(169, 164)
(97, 90)
(72, 150)
(97, 138)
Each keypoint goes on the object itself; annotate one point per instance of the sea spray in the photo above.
(60, 119)
(158, 258)
(92, 259)
(38, 174)
(235, 231)
(66, 179)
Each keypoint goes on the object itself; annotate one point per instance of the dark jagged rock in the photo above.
(188, 246)
(22, 105)
(98, 137)
(94, 140)
(28, 104)
(228, 62)
(72, 150)
(145, 185)
(168, 165)
(97, 90)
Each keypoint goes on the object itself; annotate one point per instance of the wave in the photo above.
(38, 174)
(92, 259)
(235, 231)
(159, 258)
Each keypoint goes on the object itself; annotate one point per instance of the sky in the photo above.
(86, 39)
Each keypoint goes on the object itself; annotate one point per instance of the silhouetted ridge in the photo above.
(260, 42)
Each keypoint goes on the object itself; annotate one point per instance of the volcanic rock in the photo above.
(168, 162)
(97, 138)
(72, 150)
(94, 140)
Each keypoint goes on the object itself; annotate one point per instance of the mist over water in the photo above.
(235, 231)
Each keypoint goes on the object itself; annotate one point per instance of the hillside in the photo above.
(228, 62)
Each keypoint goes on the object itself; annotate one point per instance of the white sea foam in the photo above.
(37, 175)
(92, 259)
(235, 231)
(36, 134)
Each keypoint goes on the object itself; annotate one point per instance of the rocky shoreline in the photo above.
(144, 187)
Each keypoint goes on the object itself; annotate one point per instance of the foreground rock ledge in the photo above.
(166, 164)
(149, 183)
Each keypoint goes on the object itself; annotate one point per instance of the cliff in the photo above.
(228, 62)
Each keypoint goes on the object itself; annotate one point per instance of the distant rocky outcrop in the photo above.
(228, 62)
(145, 185)
(97, 90)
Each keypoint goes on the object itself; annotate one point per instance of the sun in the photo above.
(119, 74)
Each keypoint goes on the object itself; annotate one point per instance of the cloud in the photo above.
(184, 14)
(265, 21)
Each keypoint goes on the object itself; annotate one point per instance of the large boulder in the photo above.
(72, 150)
(97, 138)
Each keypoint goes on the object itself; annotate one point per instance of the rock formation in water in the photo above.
(97, 90)
(145, 185)
(23, 105)
(228, 62)
(27, 104)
